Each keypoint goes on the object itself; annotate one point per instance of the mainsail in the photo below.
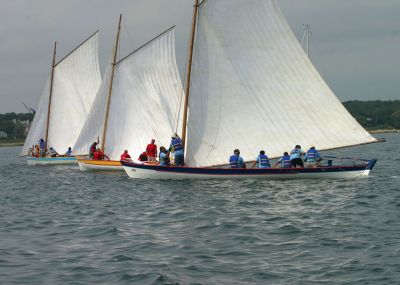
(143, 104)
(76, 80)
(253, 88)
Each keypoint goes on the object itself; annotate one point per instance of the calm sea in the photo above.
(62, 226)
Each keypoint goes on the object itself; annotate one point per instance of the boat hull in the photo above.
(33, 161)
(143, 171)
(99, 165)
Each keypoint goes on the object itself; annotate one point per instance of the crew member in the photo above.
(37, 151)
(143, 156)
(69, 152)
(125, 156)
(262, 161)
(164, 157)
(177, 147)
(295, 156)
(42, 147)
(52, 152)
(92, 150)
(151, 151)
(236, 161)
(99, 155)
(284, 161)
(312, 157)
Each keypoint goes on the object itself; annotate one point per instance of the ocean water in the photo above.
(62, 226)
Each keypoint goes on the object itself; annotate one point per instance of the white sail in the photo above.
(38, 126)
(93, 127)
(143, 104)
(253, 88)
(75, 84)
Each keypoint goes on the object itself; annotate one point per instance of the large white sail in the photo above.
(93, 126)
(144, 101)
(75, 84)
(254, 88)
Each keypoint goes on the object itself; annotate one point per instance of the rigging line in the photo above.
(202, 2)
(127, 32)
(302, 40)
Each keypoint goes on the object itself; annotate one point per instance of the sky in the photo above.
(355, 44)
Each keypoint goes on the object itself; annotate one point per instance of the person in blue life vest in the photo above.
(236, 161)
(262, 161)
(312, 157)
(295, 156)
(42, 148)
(164, 156)
(177, 147)
(68, 152)
(284, 161)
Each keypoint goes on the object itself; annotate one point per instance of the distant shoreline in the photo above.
(382, 131)
(11, 142)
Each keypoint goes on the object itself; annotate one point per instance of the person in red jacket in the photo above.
(143, 156)
(151, 151)
(99, 155)
(125, 156)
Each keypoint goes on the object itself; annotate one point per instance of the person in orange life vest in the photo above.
(143, 156)
(99, 155)
(125, 156)
(151, 151)
(36, 151)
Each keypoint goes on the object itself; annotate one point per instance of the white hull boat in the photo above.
(145, 171)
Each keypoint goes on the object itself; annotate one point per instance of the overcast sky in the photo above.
(355, 44)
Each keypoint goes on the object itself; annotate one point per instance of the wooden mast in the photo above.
(51, 92)
(103, 137)
(189, 71)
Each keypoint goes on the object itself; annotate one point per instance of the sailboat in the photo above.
(66, 100)
(136, 102)
(250, 86)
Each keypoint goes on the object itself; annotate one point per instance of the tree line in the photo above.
(371, 115)
(377, 114)
(14, 124)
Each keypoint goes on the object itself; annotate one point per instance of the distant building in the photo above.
(3, 134)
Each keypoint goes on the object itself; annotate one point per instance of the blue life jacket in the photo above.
(42, 144)
(233, 161)
(164, 160)
(285, 162)
(263, 161)
(177, 144)
(68, 153)
(311, 155)
(295, 153)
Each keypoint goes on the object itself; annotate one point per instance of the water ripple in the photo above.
(62, 226)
